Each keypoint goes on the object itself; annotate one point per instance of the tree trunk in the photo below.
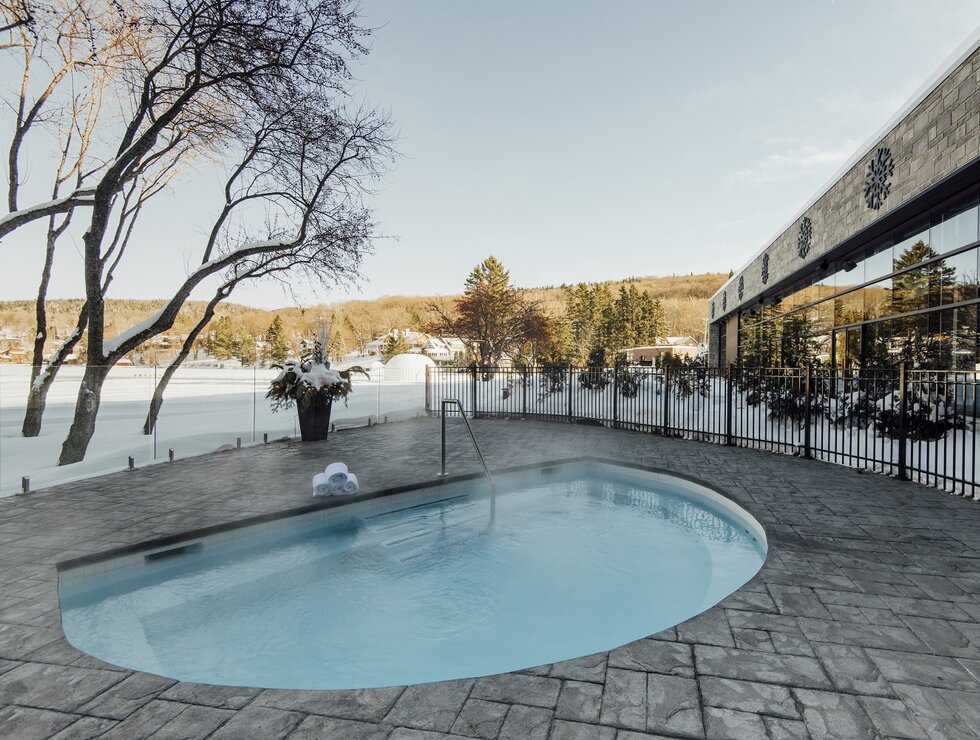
(157, 401)
(38, 393)
(86, 409)
(314, 417)
(36, 401)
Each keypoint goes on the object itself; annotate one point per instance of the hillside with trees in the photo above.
(236, 329)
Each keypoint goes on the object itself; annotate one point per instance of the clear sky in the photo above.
(586, 140)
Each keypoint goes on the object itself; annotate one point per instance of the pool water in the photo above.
(426, 590)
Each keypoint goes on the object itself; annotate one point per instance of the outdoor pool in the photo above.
(423, 585)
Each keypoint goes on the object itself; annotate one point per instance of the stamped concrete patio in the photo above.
(864, 622)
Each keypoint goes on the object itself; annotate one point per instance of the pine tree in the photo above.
(278, 344)
(222, 344)
(395, 344)
(653, 319)
(244, 346)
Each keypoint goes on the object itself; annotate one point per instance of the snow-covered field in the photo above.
(204, 409)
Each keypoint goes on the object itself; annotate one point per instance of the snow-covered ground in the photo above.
(204, 409)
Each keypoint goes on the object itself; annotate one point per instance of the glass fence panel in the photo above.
(118, 435)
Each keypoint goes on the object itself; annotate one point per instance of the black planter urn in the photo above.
(314, 416)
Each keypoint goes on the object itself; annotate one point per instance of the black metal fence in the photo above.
(917, 425)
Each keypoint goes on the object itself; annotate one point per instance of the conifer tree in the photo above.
(223, 342)
(278, 343)
(243, 345)
(395, 344)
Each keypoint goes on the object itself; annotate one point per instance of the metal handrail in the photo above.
(493, 486)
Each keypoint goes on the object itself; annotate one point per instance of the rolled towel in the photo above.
(351, 485)
(336, 487)
(336, 473)
(321, 485)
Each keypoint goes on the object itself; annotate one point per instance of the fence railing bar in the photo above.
(876, 419)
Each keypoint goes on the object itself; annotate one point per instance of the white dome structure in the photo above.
(407, 368)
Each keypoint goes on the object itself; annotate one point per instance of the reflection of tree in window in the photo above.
(798, 346)
(878, 346)
(920, 339)
(849, 308)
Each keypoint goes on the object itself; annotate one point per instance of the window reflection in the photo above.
(912, 248)
(957, 228)
(905, 317)
(878, 264)
(961, 277)
(878, 299)
(849, 308)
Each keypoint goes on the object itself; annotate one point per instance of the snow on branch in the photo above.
(16, 219)
(111, 345)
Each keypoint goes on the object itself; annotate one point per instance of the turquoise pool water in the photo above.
(425, 590)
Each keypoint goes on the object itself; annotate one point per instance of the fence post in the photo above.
(902, 430)
(427, 368)
(666, 399)
(473, 412)
(808, 400)
(524, 393)
(730, 397)
(570, 392)
(615, 396)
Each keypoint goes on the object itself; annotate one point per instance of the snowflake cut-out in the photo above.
(724, 301)
(741, 286)
(712, 309)
(876, 183)
(765, 268)
(805, 237)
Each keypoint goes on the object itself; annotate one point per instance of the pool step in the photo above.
(429, 526)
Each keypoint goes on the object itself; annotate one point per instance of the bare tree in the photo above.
(306, 165)
(14, 16)
(199, 78)
(278, 152)
(43, 374)
(67, 49)
(76, 138)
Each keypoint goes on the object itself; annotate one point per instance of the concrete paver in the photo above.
(864, 621)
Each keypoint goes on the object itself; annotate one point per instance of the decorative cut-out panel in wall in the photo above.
(877, 183)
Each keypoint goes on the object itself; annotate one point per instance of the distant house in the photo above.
(413, 338)
(650, 354)
(442, 350)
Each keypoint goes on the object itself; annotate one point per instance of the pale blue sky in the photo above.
(587, 141)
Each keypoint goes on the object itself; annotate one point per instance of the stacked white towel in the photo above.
(335, 480)
(321, 485)
(336, 472)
